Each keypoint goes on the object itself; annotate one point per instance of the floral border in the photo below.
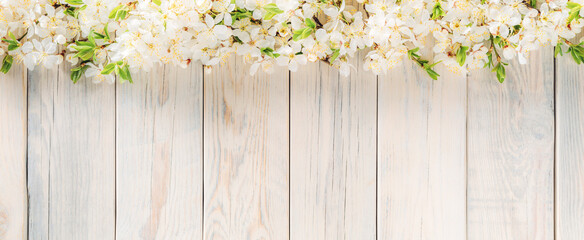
(108, 38)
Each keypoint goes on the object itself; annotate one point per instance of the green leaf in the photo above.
(236, 39)
(302, 33)
(575, 55)
(241, 15)
(84, 44)
(12, 36)
(157, 2)
(114, 12)
(12, 47)
(310, 23)
(297, 34)
(335, 55)
(271, 11)
(433, 64)
(9, 41)
(558, 50)
(97, 35)
(82, 48)
(85, 49)
(574, 11)
(270, 52)
(461, 55)
(489, 63)
(106, 32)
(6, 64)
(497, 40)
(412, 54)
(12, 44)
(74, 2)
(74, 11)
(71, 11)
(269, 16)
(91, 37)
(121, 14)
(533, 3)
(306, 33)
(437, 11)
(574, 14)
(124, 73)
(572, 5)
(108, 69)
(433, 74)
(85, 54)
(77, 73)
(500, 70)
(580, 53)
(272, 7)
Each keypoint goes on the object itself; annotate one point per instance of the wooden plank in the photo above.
(511, 151)
(159, 155)
(73, 132)
(246, 153)
(446, 208)
(332, 153)
(421, 155)
(13, 131)
(40, 116)
(569, 200)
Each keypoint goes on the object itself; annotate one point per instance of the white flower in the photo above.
(509, 53)
(60, 39)
(41, 52)
(202, 6)
(30, 58)
(72, 59)
(94, 72)
(222, 32)
(289, 58)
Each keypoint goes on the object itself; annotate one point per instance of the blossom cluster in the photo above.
(103, 39)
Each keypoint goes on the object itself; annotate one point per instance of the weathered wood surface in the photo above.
(421, 155)
(569, 149)
(159, 155)
(447, 156)
(40, 116)
(309, 155)
(13, 126)
(246, 156)
(71, 157)
(333, 154)
(511, 152)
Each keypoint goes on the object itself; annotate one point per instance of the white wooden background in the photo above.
(308, 155)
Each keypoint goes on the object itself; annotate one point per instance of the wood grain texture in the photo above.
(511, 151)
(159, 155)
(569, 200)
(13, 131)
(421, 155)
(332, 153)
(72, 130)
(40, 83)
(246, 153)
(447, 163)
